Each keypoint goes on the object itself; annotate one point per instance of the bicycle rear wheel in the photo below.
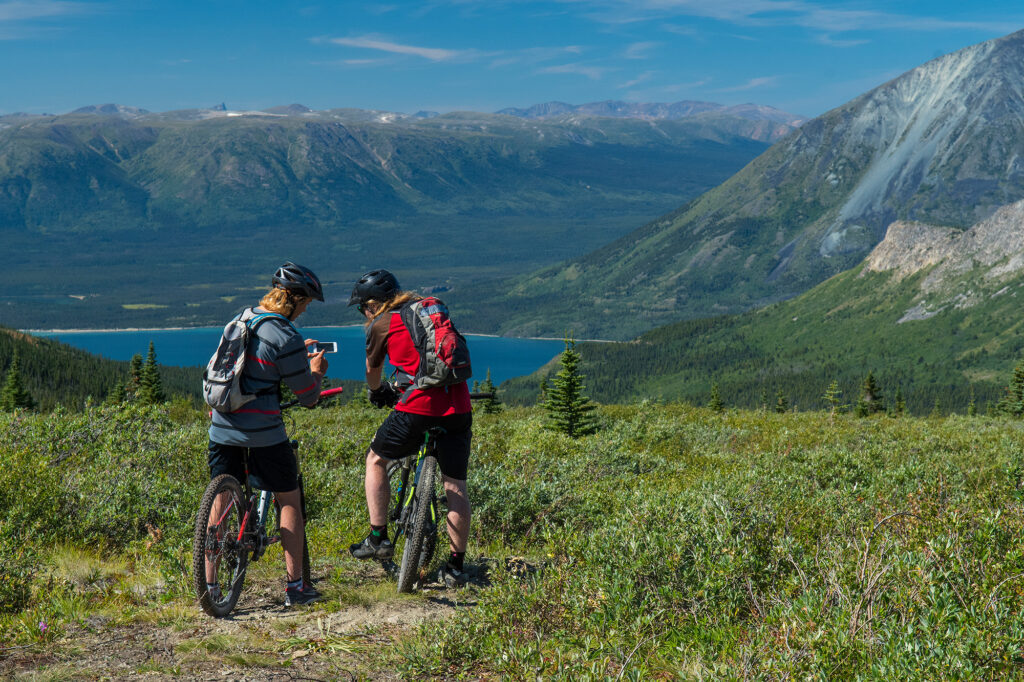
(215, 545)
(419, 526)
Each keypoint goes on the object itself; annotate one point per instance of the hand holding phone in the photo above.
(322, 346)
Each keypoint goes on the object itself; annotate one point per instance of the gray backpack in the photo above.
(222, 388)
(444, 354)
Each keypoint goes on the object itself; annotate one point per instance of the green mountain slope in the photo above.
(939, 144)
(933, 311)
(188, 208)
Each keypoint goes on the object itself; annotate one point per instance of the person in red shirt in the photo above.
(380, 300)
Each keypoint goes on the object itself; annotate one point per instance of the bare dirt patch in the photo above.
(348, 635)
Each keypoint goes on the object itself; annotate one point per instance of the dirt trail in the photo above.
(260, 640)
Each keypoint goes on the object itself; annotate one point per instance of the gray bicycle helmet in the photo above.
(298, 280)
(377, 285)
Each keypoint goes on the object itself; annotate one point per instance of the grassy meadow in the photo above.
(675, 543)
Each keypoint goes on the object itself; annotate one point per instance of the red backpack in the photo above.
(443, 351)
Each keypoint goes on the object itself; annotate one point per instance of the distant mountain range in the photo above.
(784, 122)
(939, 144)
(112, 195)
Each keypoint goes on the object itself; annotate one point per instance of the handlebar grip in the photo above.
(480, 396)
(323, 394)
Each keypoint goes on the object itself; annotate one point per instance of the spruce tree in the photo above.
(14, 395)
(972, 409)
(1012, 402)
(543, 392)
(870, 400)
(134, 377)
(781, 403)
(569, 410)
(151, 389)
(832, 400)
(117, 395)
(488, 405)
(764, 399)
(899, 406)
(715, 403)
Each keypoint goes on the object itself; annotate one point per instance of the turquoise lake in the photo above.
(505, 357)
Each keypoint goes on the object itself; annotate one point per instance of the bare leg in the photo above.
(292, 531)
(219, 505)
(458, 513)
(378, 491)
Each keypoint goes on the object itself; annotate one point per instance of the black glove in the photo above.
(384, 395)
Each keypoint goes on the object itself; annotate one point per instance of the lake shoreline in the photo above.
(326, 326)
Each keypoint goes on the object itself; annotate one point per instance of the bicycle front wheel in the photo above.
(218, 555)
(421, 523)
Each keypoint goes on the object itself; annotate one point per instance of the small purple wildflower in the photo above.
(43, 627)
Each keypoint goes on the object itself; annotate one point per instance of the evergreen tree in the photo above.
(781, 403)
(134, 377)
(832, 400)
(569, 411)
(870, 400)
(972, 409)
(715, 403)
(117, 395)
(936, 409)
(489, 405)
(899, 406)
(543, 388)
(764, 399)
(151, 389)
(14, 395)
(1012, 402)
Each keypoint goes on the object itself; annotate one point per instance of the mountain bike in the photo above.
(416, 509)
(235, 525)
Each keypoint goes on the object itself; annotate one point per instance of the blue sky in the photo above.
(803, 56)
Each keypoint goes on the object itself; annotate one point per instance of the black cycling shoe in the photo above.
(368, 549)
(307, 594)
(451, 577)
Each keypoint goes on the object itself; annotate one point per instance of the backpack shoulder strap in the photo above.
(259, 318)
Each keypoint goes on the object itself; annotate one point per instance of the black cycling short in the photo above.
(272, 468)
(401, 434)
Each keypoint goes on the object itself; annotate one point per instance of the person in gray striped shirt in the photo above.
(276, 354)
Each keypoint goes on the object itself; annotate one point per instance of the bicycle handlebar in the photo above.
(323, 394)
(480, 396)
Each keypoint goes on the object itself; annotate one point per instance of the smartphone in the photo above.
(325, 346)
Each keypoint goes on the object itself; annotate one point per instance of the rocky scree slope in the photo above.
(940, 144)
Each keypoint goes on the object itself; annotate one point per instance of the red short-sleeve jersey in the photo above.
(389, 337)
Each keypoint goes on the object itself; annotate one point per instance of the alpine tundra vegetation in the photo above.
(673, 542)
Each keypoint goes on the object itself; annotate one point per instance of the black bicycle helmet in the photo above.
(298, 280)
(378, 285)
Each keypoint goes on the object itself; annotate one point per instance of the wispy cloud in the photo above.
(639, 50)
(642, 78)
(592, 72)
(534, 55)
(811, 15)
(20, 19)
(827, 39)
(434, 54)
(753, 84)
(20, 10)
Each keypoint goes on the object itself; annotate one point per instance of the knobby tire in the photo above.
(231, 559)
(416, 531)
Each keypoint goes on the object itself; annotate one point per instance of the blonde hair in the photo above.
(400, 299)
(281, 301)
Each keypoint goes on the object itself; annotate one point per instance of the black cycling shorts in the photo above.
(401, 434)
(272, 468)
